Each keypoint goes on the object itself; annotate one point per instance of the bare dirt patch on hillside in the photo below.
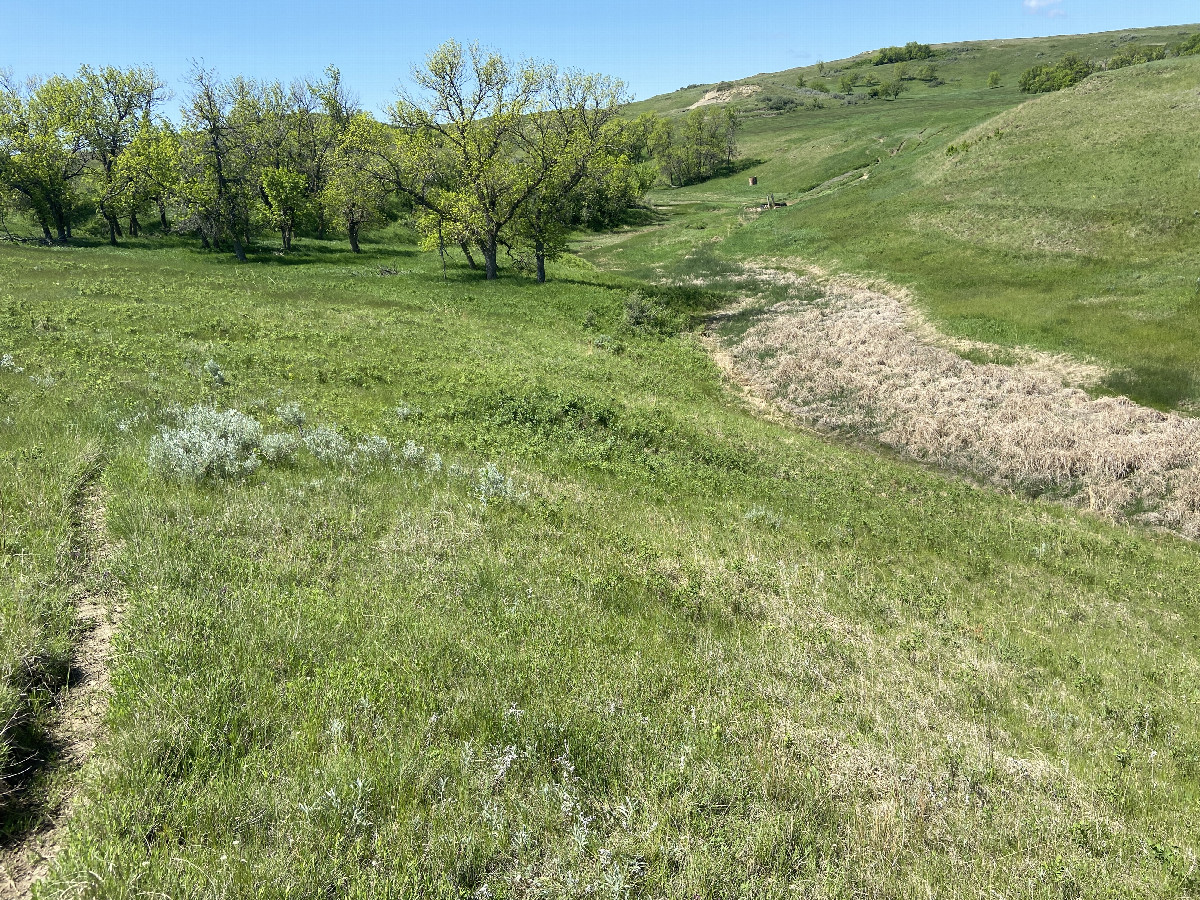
(81, 704)
(855, 357)
(725, 96)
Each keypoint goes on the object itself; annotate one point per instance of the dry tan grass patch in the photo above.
(860, 358)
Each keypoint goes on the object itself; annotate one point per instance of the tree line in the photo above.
(483, 155)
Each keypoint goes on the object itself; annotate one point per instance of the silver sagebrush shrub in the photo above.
(492, 484)
(291, 414)
(280, 448)
(8, 364)
(207, 443)
(326, 444)
(373, 449)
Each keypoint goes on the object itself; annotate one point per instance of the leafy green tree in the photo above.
(908, 53)
(104, 110)
(286, 194)
(993, 79)
(148, 171)
(218, 187)
(477, 137)
(1068, 71)
(847, 82)
(362, 171)
(41, 161)
(1189, 46)
(696, 146)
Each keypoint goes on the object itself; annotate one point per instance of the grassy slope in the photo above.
(364, 683)
(1073, 231)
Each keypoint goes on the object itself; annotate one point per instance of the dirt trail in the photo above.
(81, 705)
(845, 355)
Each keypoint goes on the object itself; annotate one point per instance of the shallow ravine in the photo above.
(844, 355)
(81, 704)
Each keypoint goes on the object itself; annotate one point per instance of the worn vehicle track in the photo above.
(81, 704)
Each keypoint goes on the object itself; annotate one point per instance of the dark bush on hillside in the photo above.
(780, 103)
(1068, 71)
(1134, 56)
(910, 51)
(1189, 46)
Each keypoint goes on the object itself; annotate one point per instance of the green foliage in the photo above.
(1068, 71)
(993, 80)
(1189, 46)
(908, 53)
(887, 90)
(697, 146)
(1133, 56)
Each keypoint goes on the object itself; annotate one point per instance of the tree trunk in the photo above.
(539, 253)
(489, 257)
(112, 230)
(238, 250)
(467, 253)
(354, 237)
(286, 234)
(46, 230)
(162, 217)
(135, 227)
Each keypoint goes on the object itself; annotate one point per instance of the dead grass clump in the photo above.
(860, 360)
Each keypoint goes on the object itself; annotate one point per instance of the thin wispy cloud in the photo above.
(1044, 7)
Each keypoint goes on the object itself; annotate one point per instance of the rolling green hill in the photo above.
(492, 589)
(1067, 222)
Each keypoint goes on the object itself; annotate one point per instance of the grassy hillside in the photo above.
(685, 652)
(1065, 222)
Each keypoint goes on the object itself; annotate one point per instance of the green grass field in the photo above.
(686, 651)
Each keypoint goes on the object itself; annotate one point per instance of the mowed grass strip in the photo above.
(687, 652)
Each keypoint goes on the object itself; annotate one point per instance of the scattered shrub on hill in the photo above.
(847, 82)
(1068, 71)
(819, 86)
(1135, 56)
(207, 443)
(993, 79)
(910, 51)
(928, 73)
(780, 103)
(280, 448)
(1189, 46)
(888, 90)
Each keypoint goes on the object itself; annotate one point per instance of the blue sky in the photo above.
(654, 46)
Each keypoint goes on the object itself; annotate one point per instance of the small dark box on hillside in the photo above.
(753, 180)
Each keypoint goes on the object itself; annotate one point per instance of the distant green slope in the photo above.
(1066, 223)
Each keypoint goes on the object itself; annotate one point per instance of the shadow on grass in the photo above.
(1162, 387)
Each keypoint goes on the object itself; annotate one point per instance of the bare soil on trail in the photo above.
(858, 358)
(80, 705)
